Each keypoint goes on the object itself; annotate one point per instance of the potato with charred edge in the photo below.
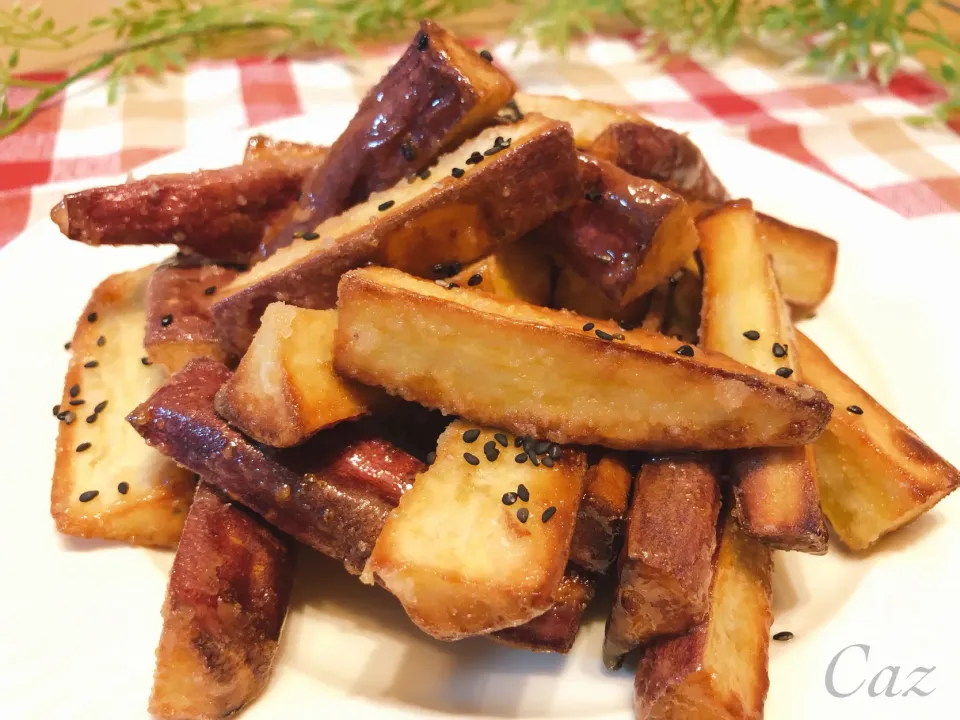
(540, 372)
(522, 271)
(717, 670)
(777, 500)
(651, 151)
(285, 389)
(106, 482)
(438, 93)
(480, 542)
(589, 118)
(328, 494)
(263, 147)
(626, 235)
(876, 475)
(226, 603)
(601, 516)
(179, 326)
(462, 211)
(666, 564)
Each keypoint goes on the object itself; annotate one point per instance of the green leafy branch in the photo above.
(867, 37)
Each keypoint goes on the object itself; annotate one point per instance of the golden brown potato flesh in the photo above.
(670, 158)
(625, 235)
(602, 512)
(106, 482)
(776, 493)
(437, 94)
(520, 271)
(226, 603)
(179, 326)
(876, 475)
(264, 147)
(538, 372)
(448, 217)
(588, 118)
(285, 389)
(462, 556)
(717, 670)
(666, 564)
(804, 261)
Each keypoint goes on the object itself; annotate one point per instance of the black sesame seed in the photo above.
(310, 235)
(494, 150)
(67, 345)
(619, 336)
(455, 267)
(519, 440)
(529, 446)
(210, 290)
(523, 514)
(685, 350)
(123, 488)
(74, 390)
(475, 157)
(431, 458)
(855, 409)
(475, 280)
(145, 361)
(490, 445)
(471, 458)
(101, 341)
(588, 327)
(624, 325)
(68, 416)
(521, 458)
(77, 403)
(523, 493)
(440, 269)
(603, 335)
(471, 435)
(83, 446)
(457, 172)
(501, 438)
(409, 154)
(92, 317)
(779, 350)
(100, 406)
(509, 498)
(56, 410)
(543, 446)
(547, 461)
(423, 174)
(751, 335)
(91, 364)
(548, 513)
(593, 195)
(88, 495)
(422, 41)
(485, 54)
(491, 454)
(534, 460)
(783, 636)
(384, 206)
(92, 418)
(166, 320)
(451, 286)
(784, 372)
(554, 451)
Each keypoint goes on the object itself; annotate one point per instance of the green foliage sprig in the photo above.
(867, 37)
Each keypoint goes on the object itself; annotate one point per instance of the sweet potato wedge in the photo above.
(666, 564)
(328, 494)
(179, 326)
(538, 372)
(106, 482)
(530, 175)
(804, 261)
(226, 602)
(588, 118)
(576, 293)
(717, 670)
(265, 148)
(651, 151)
(461, 561)
(218, 213)
(626, 235)
(876, 475)
(437, 94)
(520, 271)
(602, 512)
(285, 389)
(776, 493)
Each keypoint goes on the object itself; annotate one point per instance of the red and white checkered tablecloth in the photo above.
(851, 131)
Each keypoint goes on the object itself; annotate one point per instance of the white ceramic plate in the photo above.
(79, 620)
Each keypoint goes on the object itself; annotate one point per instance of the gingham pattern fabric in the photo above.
(851, 131)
